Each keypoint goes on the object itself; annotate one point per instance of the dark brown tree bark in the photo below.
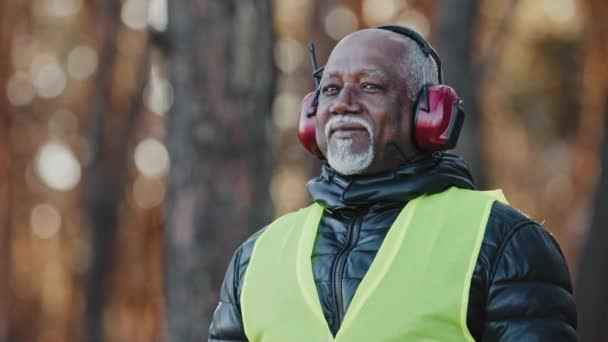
(112, 128)
(101, 191)
(456, 40)
(222, 71)
(592, 276)
(592, 280)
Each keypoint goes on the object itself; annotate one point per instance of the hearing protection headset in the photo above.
(438, 115)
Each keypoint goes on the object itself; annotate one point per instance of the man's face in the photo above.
(364, 113)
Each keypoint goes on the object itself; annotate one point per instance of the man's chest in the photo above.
(344, 250)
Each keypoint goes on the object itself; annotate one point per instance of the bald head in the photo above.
(416, 69)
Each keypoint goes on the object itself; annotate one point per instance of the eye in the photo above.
(330, 89)
(371, 86)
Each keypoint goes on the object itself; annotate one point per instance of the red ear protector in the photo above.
(307, 125)
(438, 115)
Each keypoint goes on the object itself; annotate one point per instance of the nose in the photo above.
(347, 102)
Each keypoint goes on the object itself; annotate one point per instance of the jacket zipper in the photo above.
(340, 263)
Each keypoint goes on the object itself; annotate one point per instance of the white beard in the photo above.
(341, 159)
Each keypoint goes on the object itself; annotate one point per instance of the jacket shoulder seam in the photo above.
(505, 242)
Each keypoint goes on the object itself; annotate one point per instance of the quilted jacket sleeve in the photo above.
(227, 323)
(530, 292)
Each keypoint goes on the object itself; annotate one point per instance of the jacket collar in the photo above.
(425, 174)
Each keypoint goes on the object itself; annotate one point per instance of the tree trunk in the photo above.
(113, 125)
(592, 278)
(592, 284)
(100, 192)
(456, 37)
(222, 72)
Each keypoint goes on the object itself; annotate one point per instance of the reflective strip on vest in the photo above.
(416, 289)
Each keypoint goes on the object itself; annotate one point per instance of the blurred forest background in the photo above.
(142, 140)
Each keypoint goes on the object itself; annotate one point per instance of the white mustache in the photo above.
(348, 119)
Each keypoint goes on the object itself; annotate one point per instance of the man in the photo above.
(396, 246)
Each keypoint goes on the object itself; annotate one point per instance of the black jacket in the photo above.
(520, 290)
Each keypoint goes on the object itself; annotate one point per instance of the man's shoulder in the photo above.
(512, 238)
(243, 253)
(506, 221)
(523, 273)
(520, 244)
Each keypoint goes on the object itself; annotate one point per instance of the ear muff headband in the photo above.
(422, 43)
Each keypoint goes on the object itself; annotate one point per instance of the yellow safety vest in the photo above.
(416, 289)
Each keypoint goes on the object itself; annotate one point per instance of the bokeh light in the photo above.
(157, 15)
(561, 11)
(151, 157)
(134, 14)
(19, 89)
(339, 22)
(57, 166)
(48, 77)
(289, 55)
(378, 12)
(158, 94)
(45, 221)
(62, 8)
(82, 62)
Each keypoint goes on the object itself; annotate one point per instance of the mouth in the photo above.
(346, 130)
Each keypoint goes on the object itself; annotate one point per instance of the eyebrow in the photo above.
(364, 72)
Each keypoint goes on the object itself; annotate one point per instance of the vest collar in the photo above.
(425, 174)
